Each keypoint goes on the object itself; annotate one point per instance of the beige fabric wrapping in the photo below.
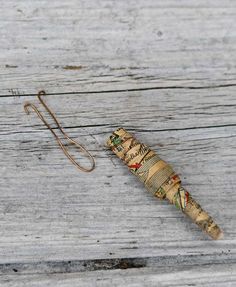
(159, 178)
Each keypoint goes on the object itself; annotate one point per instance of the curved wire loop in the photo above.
(64, 149)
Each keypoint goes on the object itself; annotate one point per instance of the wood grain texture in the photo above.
(164, 70)
(111, 45)
(211, 275)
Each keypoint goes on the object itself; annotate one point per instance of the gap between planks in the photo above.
(72, 266)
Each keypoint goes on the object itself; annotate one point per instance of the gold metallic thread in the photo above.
(28, 106)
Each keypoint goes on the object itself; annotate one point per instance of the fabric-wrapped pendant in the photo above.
(159, 178)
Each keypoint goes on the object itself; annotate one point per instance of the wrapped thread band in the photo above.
(159, 178)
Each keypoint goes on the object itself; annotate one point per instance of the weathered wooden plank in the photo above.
(50, 211)
(176, 59)
(109, 45)
(168, 109)
(212, 275)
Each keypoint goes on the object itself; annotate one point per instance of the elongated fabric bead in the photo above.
(159, 178)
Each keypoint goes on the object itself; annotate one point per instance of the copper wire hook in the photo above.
(64, 149)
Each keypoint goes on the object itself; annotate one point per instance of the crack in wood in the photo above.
(132, 129)
(127, 90)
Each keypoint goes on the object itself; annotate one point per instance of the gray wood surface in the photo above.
(165, 70)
